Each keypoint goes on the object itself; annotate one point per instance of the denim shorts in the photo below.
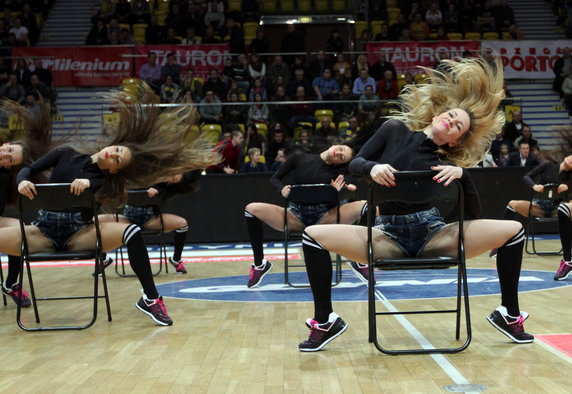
(308, 214)
(60, 226)
(138, 215)
(412, 231)
(547, 206)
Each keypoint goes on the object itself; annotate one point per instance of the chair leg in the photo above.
(106, 293)
(2, 282)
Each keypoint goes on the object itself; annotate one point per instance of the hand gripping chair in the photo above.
(550, 193)
(418, 187)
(54, 197)
(140, 198)
(311, 194)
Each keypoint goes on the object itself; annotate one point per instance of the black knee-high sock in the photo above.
(565, 229)
(179, 239)
(13, 270)
(363, 217)
(508, 213)
(509, 262)
(319, 268)
(254, 226)
(139, 259)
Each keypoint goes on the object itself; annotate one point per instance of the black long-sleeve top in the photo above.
(405, 150)
(67, 164)
(188, 184)
(5, 188)
(547, 172)
(307, 169)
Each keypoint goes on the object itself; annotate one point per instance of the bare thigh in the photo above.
(273, 215)
(349, 213)
(351, 241)
(11, 240)
(170, 222)
(522, 207)
(111, 236)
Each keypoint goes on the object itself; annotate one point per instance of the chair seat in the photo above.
(418, 263)
(62, 255)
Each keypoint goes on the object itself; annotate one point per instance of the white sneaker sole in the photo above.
(262, 277)
(507, 334)
(327, 341)
(161, 323)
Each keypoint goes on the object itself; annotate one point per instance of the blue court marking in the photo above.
(395, 285)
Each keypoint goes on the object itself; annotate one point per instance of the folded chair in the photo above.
(550, 193)
(312, 194)
(57, 197)
(140, 198)
(418, 187)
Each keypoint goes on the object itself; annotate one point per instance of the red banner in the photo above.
(84, 66)
(406, 56)
(201, 58)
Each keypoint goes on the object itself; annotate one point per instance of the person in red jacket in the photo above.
(230, 151)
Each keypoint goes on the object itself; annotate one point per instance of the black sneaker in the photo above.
(361, 271)
(322, 334)
(14, 293)
(155, 309)
(179, 266)
(564, 270)
(105, 263)
(257, 273)
(510, 326)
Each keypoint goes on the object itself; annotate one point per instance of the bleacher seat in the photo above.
(339, 5)
(249, 29)
(401, 81)
(454, 36)
(304, 6)
(212, 132)
(287, 5)
(506, 35)
(139, 32)
(421, 78)
(392, 14)
(324, 113)
(376, 27)
(262, 129)
(360, 26)
(490, 35)
(322, 6)
(125, 26)
(473, 36)
(342, 125)
(233, 5)
(269, 6)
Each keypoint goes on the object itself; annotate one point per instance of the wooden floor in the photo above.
(251, 347)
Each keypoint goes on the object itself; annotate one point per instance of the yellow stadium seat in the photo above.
(342, 125)
(322, 6)
(139, 29)
(319, 125)
(163, 5)
(269, 6)
(262, 129)
(360, 26)
(242, 97)
(15, 122)
(287, 5)
(339, 5)
(509, 109)
(161, 16)
(249, 29)
(421, 78)
(490, 35)
(391, 4)
(324, 113)
(212, 132)
(300, 126)
(506, 35)
(125, 26)
(111, 119)
(234, 5)
(473, 36)
(376, 27)
(401, 81)
(304, 5)
(392, 14)
(454, 36)
(241, 126)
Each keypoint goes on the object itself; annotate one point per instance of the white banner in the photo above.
(528, 58)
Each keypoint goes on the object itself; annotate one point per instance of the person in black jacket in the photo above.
(328, 167)
(143, 140)
(449, 139)
(524, 157)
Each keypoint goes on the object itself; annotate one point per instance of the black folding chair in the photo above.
(550, 193)
(2, 281)
(418, 187)
(140, 198)
(311, 194)
(54, 197)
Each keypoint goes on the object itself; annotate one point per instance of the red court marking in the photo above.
(214, 259)
(560, 342)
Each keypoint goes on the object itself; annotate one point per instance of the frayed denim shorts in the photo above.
(547, 206)
(308, 214)
(411, 232)
(138, 215)
(60, 226)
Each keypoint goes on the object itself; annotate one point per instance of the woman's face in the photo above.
(255, 157)
(11, 155)
(339, 154)
(113, 158)
(568, 163)
(449, 126)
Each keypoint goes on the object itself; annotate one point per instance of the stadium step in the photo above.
(535, 19)
(68, 23)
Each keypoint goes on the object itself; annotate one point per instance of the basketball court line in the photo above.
(546, 342)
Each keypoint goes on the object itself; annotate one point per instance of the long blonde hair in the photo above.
(471, 84)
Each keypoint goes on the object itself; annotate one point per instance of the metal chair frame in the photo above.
(140, 198)
(57, 197)
(308, 195)
(418, 187)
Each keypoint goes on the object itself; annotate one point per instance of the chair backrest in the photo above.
(56, 196)
(551, 193)
(140, 198)
(313, 194)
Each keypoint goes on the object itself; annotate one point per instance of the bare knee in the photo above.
(253, 208)
(513, 228)
(180, 222)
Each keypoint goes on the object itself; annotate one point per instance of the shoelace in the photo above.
(251, 273)
(161, 305)
(520, 321)
(562, 263)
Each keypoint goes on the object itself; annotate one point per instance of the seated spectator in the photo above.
(169, 91)
(214, 13)
(229, 149)
(250, 9)
(254, 164)
(192, 85)
(298, 64)
(171, 68)
(23, 72)
(325, 87)
(276, 142)
(515, 32)
(235, 36)
(522, 158)
(526, 136)
(171, 37)
(418, 28)
(31, 104)
(504, 155)
(278, 83)
(240, 72)
(279, 112)
(227, 74)
(12, 90)
(363, 39)
(325, 134)
(368, 106)
(486, 18)
(562, 68)
(215, 84)
(346, 108)
(235, 113)
(387, 87)
(258, 110)
(177, 19)
(43, 73)
(4, 31)
(451, 19)
(434, 17)
(123, 11)
(98, 34)
(154, 33)
(278, 160)
(125, 38)
(259, 44)
(342, 70)
(513, 128)
(114, 27)
(253, 139)
(335, 44)
(299, 81)
(292, 42)
(20, 31)
(499, 141)
(258, 87)
(211, 108)
(150, 72)
(396, 29)
(317, 66)
(567, 91)
(114, 38)
(28, 19)
(362, 81)
(256, 68)
(351, 131)
(210, 36)
(379, 68)
(277, 69)
(39, 89)
(304, 142)
(383, 35)
(360, 63)
(140, 11)
(191, 37)
(302, 112)
(234, 88)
